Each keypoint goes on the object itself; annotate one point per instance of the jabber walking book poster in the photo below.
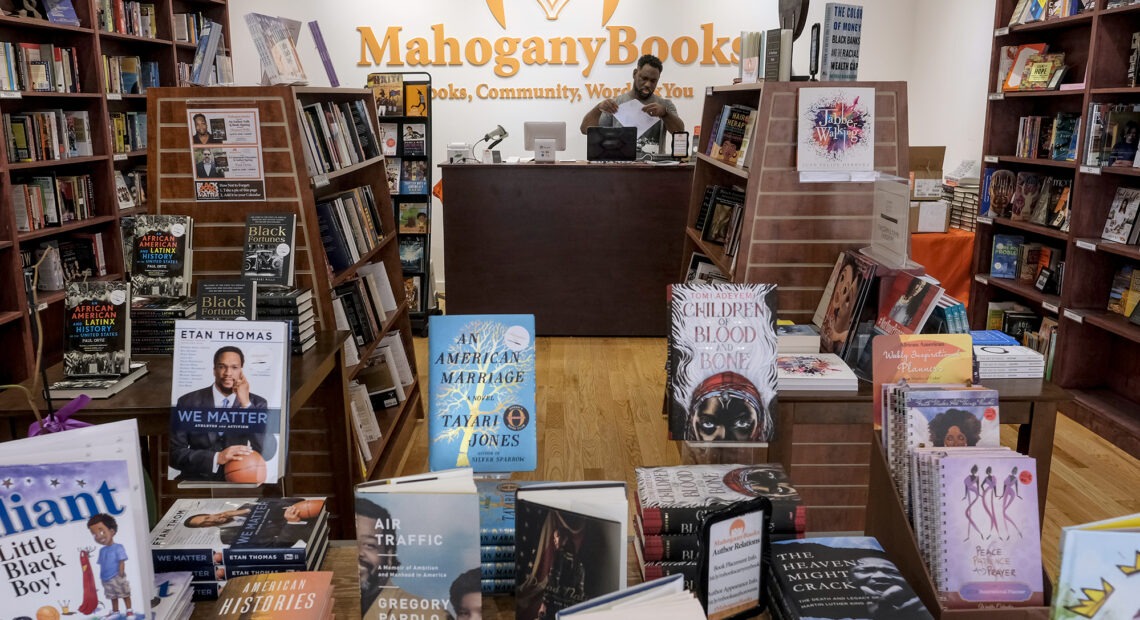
(229, 400)
(836, 130)
(482, 384)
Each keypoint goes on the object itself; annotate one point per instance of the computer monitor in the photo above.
(544, 138)
(611, 143)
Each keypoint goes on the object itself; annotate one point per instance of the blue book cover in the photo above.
(984, 194)
(1004, 263)
(482, 392)
(73, 535)
(61, 12)
(497, 513)
(993, 337)
(418, 548)
(229, 396)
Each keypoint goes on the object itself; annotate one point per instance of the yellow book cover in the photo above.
(416, 99)
(919, 358)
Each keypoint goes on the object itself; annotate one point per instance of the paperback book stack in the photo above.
(976, 523)
(152, 323)
(1009, 362)
(220, 539)
(921, 415)
(173, 597)
(842, 577)
(791, 338)
(671, 501)
(291, 596)
(497, 534)
(295, 306)
(814, 371)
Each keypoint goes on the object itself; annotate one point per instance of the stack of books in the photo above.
(1009, 362)
(298, 596)
(497, 534)
(97, 387)
(220, 539)
(796, 338)
(173, 596)
(671, 501)
(152, 323)
(814, 371)
(842, 577)
(294, 305)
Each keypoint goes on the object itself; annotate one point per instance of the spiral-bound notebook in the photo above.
(988, 547)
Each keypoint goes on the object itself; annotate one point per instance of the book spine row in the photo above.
(48, 200)
(337, 135)
(350, 226)
(35, 67)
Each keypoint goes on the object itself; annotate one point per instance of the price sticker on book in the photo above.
(11, 94)
(1073, 316)
(321, 180)
(1086, 245)
(1090, 169)
(1050, 307)
(114, 97)
(990, 159)
(1001, 32)
(997, 96)
(985, 220)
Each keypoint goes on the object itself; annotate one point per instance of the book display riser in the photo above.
(1095, 347)
(90, 44)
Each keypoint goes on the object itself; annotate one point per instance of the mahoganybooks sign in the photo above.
(229, 399)
(98, 327)
(482, 385)
(722, 362)
(418, 544)
(836, 134)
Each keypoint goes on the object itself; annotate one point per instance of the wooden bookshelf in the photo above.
(783, 238)
(1096, 349)
(290, 187)
(89, 43)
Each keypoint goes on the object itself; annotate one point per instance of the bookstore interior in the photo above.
(239, 323)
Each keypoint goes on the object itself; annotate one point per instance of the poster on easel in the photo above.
(225, 147)
(836, 135)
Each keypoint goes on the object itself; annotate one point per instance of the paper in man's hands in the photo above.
(630, 114)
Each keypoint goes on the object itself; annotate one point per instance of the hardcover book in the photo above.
(481, 383)
(659, 598)
(842, 577)
(204, 534)
(268, 249)
(1005, 255)
(415, 140)
(672, 500)
(722, 362)
(162, 255)
(227, 300)
(1025, 195)
(1099, 563)
(389, 138)
(413, 176)
(570, 545)
(997, 518)
(814, 371)
(61, 12)
(842, 32)
(229, 399)
(850, 283)
(97, 387)
(414, 218)
(418, 546)
(497, 512)
(78, 516)
(98, 329)
(1121, 215)
(280, 596)
(907, 305)
(413, 253)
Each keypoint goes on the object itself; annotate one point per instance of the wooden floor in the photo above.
(599, 404)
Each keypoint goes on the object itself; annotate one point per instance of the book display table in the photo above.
(587, 248)
(320, 455)
(825, 441)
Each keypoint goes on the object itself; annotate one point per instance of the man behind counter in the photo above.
(645, 77)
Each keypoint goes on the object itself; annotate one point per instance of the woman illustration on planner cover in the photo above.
(973, 493)
(1009, 493)
(989, 493)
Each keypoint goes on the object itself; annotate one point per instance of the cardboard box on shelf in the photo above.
(926, 172)
(929, 216)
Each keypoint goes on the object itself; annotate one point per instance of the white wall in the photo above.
(942, 53)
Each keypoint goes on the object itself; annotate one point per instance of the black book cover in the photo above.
(269, 248)
(227, 299)
(98, 329)
(162, 255)
(843, 577)
(284, 298)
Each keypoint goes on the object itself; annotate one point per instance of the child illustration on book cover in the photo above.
(56, 511)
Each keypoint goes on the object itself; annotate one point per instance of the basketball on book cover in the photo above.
(310, 508)
(250, 469)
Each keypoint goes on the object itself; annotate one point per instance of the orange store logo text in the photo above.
(620, 46)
